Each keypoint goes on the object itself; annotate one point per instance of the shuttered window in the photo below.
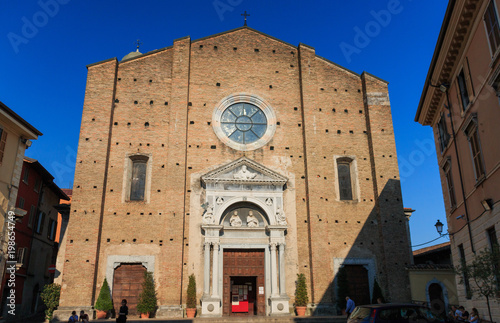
(449, 184)
(492, 28)
(3, 141)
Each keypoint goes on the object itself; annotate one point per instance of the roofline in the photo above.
(340, 66)
(241, 28)
(47, 177)
(147, 54)
(378, 78)
(435, 56)
(19, 119)
(102, 62)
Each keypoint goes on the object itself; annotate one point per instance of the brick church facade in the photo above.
(243, 160)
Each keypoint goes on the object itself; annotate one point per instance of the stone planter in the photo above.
(100, 314)
(144, 315)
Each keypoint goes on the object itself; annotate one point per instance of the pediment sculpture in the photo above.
(244, 173)
(280, 217)
(252, 221)
(235, 220)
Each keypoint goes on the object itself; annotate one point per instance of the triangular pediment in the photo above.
(244, 171)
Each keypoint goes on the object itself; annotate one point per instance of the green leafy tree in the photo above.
(50, 297)
(191, 292)
(301, 297)
(484, 271)
(104, 301)
(342, 288)
(377, 293)
(148, 300)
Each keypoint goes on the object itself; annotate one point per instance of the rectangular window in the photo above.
(26, 175)
(39, 222)
(449, 183)
(475, 148)
(463, 92)
(345, 184)
(492, 28)
(492, 237)
(461, 251)
(32, 216)
(444, 136)
(37, 185)
(138, 180)
(21, 203)
(21, 256)
(3, 142)
(51, 235)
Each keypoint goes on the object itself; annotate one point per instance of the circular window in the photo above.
(244, 122)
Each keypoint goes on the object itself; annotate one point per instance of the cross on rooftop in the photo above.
(245, 15)
(138, 43)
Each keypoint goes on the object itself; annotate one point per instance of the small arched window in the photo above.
(344, 178)
(138, 177)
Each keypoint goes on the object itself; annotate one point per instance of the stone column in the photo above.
(215, 272)
(274, 271)
(282, 268)
(206, 277)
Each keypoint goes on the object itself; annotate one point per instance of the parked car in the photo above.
(393, 313)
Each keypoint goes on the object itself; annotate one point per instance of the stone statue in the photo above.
(252, 221)
(244, 173)
(208, 218)
(280, 217)
(235, 220)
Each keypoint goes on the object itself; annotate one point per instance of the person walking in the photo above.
(122, 315)
(349, 306)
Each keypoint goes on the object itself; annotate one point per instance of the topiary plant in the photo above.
(147, 299)
(104, 301)
(50, 297)
(191, 292)
(301, 298)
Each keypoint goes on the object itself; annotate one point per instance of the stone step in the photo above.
(256, 319)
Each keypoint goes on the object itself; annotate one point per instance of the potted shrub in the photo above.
(104, 303)
(301, 298)
(50, 297)
(147, 303)
(191, 297)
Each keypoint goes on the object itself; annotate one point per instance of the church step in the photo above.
(257, 319)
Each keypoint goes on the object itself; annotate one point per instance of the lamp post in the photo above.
(439, 227)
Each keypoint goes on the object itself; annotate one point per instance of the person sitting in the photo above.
(73, 318)
(84, 317)
(474, 316)
(465, 316)
(459, 313)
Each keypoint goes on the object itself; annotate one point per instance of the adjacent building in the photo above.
(243, 160)
(15, 137)
(35, 237)
(460, 101)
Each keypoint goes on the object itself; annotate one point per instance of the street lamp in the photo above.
(439, 227)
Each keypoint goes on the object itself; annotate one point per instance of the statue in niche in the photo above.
(244, 173)
(208, 217)
(280, 217)
(219, 200)
(269, 201)
(235, 220)
(252, 221)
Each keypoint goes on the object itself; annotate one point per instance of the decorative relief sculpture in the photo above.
(244, 173)
(235, 220)
(269, 201)
(208, 217)
(280, 217)
(252, 221)
(219, 200)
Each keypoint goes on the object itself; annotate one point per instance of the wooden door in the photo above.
(359, 287)
(244, 267)
(127, 284)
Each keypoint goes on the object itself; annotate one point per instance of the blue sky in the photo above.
(45, 46)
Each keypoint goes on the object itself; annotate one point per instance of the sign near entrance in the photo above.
(261, 290)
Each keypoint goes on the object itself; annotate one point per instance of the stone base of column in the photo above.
(166, 311)
(279, 306)
(211, 307)
(62, 314)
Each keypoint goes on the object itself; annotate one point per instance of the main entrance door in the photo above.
(243, 290)
(127, 284)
